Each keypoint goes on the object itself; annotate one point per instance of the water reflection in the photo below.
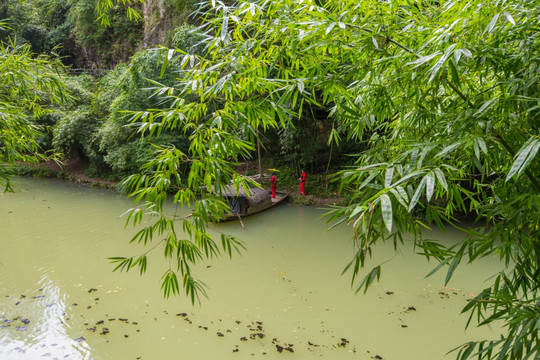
(39, 324)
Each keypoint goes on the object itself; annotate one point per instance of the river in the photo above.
(284, 297)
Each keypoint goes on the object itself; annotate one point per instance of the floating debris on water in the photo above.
(343, 342)
(250, 331)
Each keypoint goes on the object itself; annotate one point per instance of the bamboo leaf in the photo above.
(388, 177)
(403, 193)
(386, 208)
(225, 28)
(330, 27)
(467, 53)
(399, 197)
(485, 107)
(417, 194)
(447, 149)
(491, 24)
(438, 267)
(430, 185)
(509, 17)
(441, 178)
(164, 64)
(435, 70)
(523, 157)
(373, 275)
(423, 59)
(375, 43)
(452, 268)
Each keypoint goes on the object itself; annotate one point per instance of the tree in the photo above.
(29, 84)
(445, 96)
(104, 7)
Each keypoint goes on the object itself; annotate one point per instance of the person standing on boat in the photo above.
(273, 182)
(302, 180)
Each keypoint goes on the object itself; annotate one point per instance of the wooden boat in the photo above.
(243, 205)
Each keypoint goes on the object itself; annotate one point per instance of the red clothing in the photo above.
(302, 179)
(273, 181)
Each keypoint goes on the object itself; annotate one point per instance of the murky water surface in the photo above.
(59, 298)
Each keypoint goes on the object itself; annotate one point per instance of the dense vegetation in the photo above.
(439, 102)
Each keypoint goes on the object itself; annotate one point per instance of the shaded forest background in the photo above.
(112, 69)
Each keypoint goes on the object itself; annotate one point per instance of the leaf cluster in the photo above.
(28, 85)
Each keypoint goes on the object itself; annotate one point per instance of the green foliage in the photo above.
(74, 132)
(189, 39)
(442, 96)
(42, 24)
(28, 85)
(107, 89)
(300, 145)
(104, 46)
(33, 171)
(104, 7)
(128, 88)
(81, 89)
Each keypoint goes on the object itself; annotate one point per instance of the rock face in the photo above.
(155, 24)
(161, 17)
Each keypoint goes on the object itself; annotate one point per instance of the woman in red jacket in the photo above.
(273, 182)
(302, 180)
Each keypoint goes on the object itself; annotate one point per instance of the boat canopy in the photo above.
(240, 201)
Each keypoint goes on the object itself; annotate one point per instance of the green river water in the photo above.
(60, 300)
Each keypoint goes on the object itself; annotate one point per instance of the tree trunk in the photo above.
(259, 159)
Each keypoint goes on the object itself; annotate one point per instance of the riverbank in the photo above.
(75, 174)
